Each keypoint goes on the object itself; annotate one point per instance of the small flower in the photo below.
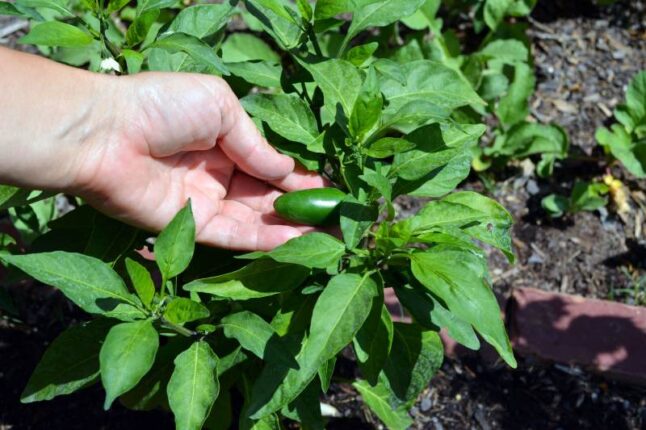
(109, 65)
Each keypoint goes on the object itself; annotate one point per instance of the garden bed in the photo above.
(584, 58)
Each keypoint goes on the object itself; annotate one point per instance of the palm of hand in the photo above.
(186, 136)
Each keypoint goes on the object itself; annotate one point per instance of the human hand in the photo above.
(181, 136)
(138, 147)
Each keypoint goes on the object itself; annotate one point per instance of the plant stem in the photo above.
(109, 46)
(162, 290)
(314, 39)
(178, 328)
(344, 46)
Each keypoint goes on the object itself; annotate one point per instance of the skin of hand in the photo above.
(138, 147)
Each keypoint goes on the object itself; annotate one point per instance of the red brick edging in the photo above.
(599, 335)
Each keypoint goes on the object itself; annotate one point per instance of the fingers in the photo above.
(260, 195)
(239, 227)
(241, 140)
(224, 232)
(230, 233)
(300, 179)
(251, 192)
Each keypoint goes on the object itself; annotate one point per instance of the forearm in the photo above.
(48, 112)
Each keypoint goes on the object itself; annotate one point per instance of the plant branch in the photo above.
(315, 42)
(178, 328)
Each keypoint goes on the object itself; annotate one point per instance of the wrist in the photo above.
(54, 114)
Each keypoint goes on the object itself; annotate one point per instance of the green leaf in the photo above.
(379, 182)
(381, 13)
(373, 341)
(116, 6)
(230, 360)
(182, 310)
(622, 114)
(14, 196)
(330, 8)
(221, 415)
(440, 181)
(138, 30)
(326, 372)
(493, 86)
(144, 6)
(586, 196)
(199, 51)
(9, 9)
(71, 362)
(464, 286)
(275, 17)
(356, 220)
(91, 284)
(430, 153)
(366, 112)
(305, 9)
(315, 250)
(510, 51)
(556, 205)
(175, 245)
(141, 281)
(431, 82)
(478, 216)
(286, 114)
(428, 312)
(261, 73)
(514, 106)
(620, 144)
(636, 97)
(108, 239)
(150, 392)
(31, 221)
(202, 20)
(55, 5)
(258, 336)
(415, 356)
(54, 33)
(127, 354)
(525, 139)
(390, 69)
(339, 313)
(340, 82)
(378, 398)
(294, 314)
(194, 386)
(241, 47)
(388, 146)
(425, 17)
(6, 241)
(358, 55)
(495, 11)
(306, 408)
(261, 278)
(134, 60)
(413, 115)
(521, 7)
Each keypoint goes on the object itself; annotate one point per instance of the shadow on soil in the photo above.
(611, 342)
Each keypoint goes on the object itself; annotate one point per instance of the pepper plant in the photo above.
(251, 340)
(626, 139)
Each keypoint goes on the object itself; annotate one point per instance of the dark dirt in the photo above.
(42, 314)
(585, 56)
